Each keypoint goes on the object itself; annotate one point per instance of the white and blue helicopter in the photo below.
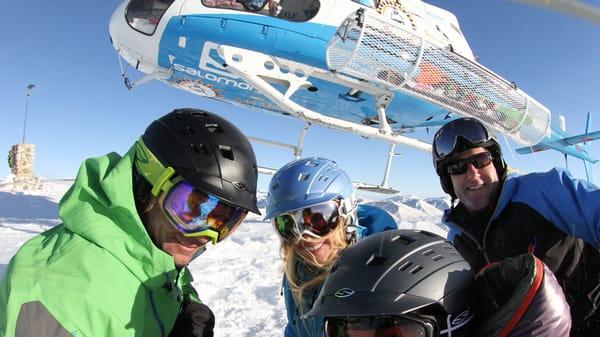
(379, 69)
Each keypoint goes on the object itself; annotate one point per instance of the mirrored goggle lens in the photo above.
(446, 138)
(377, 327)
(286, 226)
(253, 5)
(318, 219)
(461, 166)
(192, 212)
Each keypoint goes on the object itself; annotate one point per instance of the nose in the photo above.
(472, 171)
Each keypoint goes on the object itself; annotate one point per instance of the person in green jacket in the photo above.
(116, 266)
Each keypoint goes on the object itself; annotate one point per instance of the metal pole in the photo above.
(29, 88)
(388, 165)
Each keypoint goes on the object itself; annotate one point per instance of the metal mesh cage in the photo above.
(373, 48)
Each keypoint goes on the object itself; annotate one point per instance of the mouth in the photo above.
(475, 188)
(313, 248)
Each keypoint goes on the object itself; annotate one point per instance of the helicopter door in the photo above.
(144, 15)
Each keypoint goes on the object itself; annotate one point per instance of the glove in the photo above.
(194, 320)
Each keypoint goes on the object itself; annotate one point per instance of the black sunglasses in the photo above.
(461, 166)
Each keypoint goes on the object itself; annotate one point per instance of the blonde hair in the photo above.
(291, 252)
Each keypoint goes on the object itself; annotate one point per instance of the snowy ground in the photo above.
(240, 279)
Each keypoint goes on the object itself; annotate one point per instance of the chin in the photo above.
(182, 261)
(476, 207)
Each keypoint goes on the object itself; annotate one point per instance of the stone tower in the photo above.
(20, 160)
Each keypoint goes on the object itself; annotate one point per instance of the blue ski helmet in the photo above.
(306, 182)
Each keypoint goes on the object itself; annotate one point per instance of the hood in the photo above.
(100, 208)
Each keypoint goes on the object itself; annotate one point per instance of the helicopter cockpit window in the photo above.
(367, 3)
(292, 10)
(144, 15)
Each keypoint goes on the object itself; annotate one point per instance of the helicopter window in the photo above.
(292, 10)
(367, 3)
(144, 15)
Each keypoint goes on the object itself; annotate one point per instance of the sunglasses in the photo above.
(461, 166)
(377, 326)
(196, 213)
(316, 220)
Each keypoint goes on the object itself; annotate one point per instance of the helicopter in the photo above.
(378, 69)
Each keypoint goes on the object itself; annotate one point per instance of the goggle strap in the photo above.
(163, 183)
(211, 233)
(152, 169)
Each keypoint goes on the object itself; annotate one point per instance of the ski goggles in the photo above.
(461, 166)
(196, 213)
(315, 220)
(447, 137)
(191, 211)
(378, 326)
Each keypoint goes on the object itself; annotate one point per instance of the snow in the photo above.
(240, 278)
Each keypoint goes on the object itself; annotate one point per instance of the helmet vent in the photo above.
(416, 269)
(428, 252)
(437, 258)
(226, 152)
(303, 176)
(312, 163)
(187, 131)
(213, 128)
(406, 240)
(198, 113)
(375, 260)
(198, 148)
(405, 266)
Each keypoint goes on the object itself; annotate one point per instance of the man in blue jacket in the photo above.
(500, 215)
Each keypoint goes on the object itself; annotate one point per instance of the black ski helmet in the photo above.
(460, 135)
(209, 152)
(407, 274)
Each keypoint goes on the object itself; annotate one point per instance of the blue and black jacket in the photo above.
(556, 216)
(370, 220)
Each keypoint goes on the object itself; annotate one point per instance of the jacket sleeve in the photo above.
(572, 205)
(289, 332)
(187, 289)
(291, 309)
(195, 319)
(373, 219)
(35, 320)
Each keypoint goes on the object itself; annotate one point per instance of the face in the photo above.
(169, 239)
(477, 188)
(311, 248)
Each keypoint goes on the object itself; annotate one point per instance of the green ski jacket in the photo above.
(98, 273)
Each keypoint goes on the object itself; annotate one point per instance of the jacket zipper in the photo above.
(155, 312)
(487, 227)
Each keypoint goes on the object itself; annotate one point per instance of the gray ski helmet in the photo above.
(209, 152)
(460, 135)
(400, 273)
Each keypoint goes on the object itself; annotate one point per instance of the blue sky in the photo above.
(80, 108)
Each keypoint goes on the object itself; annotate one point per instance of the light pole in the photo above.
(29, 89)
